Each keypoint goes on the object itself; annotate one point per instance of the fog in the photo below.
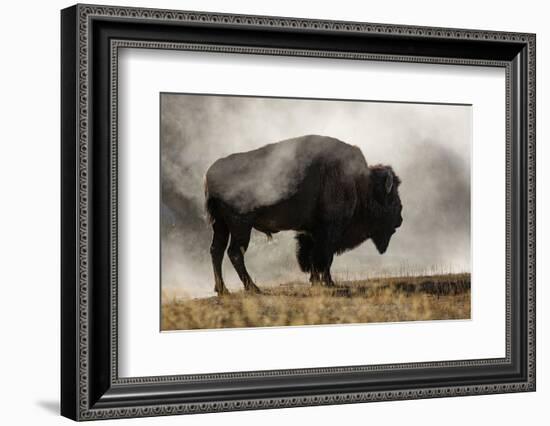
(427, 145)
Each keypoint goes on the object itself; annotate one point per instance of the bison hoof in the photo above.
(253, 288)
(222, 292)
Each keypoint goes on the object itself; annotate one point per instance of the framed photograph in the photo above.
(263, 212)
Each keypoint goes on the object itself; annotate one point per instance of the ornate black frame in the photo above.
(90, 38)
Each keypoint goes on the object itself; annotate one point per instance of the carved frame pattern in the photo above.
(85, 13)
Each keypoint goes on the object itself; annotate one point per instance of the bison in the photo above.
(318, 186)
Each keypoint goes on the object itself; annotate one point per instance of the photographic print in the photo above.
(363, 193)
(293, 212)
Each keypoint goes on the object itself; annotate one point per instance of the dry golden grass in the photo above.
(436, 297)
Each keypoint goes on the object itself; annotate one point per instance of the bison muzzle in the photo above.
(318, 186)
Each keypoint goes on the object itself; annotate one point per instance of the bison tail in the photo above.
(209, 205)
(304, 250)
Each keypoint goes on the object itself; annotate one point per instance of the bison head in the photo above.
(384, 206)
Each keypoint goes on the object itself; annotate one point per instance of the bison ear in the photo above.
(389, 182)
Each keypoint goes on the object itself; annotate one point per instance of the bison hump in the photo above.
(273, 173)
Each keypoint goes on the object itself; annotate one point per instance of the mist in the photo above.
(429, 147)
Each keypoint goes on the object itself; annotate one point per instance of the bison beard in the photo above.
(318, 186)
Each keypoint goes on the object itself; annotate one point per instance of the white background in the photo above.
(146, 352)
(29, 225)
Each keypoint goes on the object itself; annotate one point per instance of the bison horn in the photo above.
(389, 182)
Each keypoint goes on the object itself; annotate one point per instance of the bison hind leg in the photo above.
(240, 237)
(217, 248)
(304, 251)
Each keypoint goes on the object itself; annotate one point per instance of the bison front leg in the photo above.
(314, 277)
(322, 261)
(237, 248)
(326, 278)
(305, 250)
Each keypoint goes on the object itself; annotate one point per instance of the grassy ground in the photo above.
(435, 297)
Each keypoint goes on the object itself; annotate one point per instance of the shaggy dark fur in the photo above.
(304, 251)
(318, 186)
